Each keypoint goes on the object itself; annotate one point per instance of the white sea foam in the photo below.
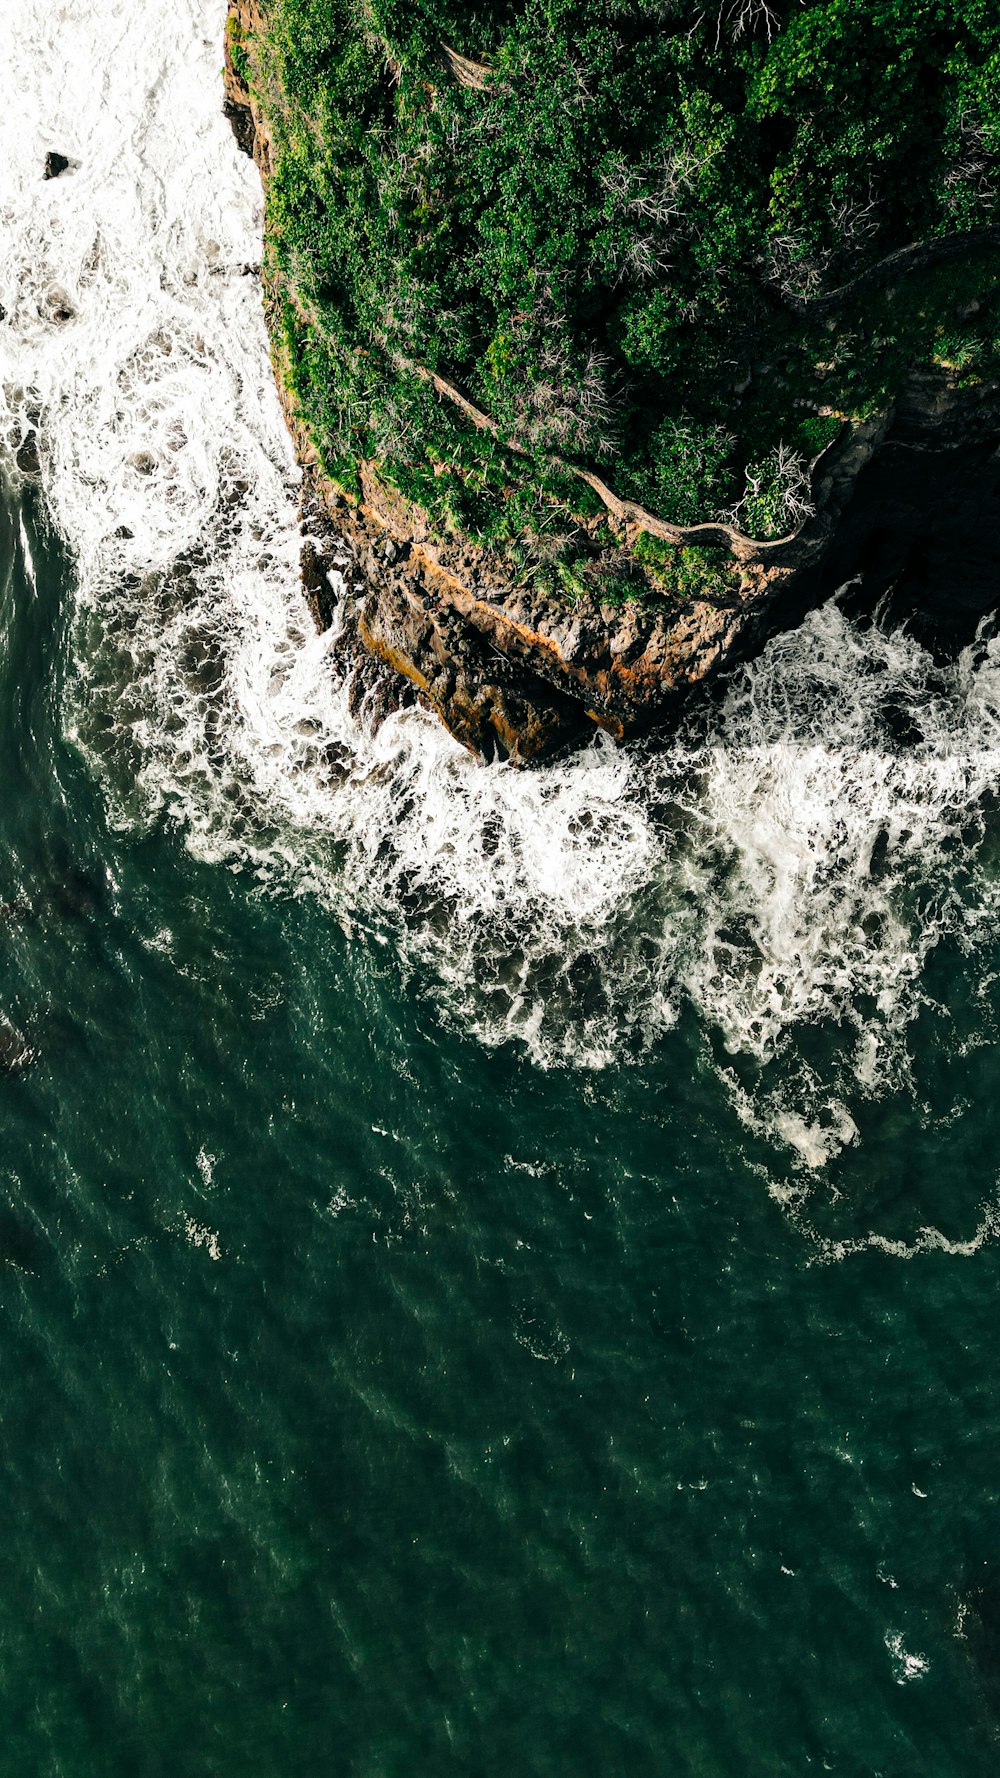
(200, 1235)
(785, 866)
(927, 1240)
(905, 1666)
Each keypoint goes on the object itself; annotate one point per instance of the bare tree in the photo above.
(742, 18)
(973, 173)
(558, 399)
(799, 268)
(566, 405)
(795, 269)
(777, 498)
(656, 194)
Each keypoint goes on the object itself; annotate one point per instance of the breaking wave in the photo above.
(784, 866)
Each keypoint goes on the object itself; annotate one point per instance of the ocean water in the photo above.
(498, 1271)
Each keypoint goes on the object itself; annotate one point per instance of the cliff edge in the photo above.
(434, 555)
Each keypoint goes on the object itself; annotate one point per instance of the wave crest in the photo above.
(783, 867)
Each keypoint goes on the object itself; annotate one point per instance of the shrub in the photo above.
(596, 219)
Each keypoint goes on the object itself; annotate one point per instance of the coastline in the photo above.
(520, 673)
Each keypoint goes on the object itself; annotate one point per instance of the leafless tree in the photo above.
(856, 222)
(973, 172)
(799, 268)
(566, 405)
(657, 195)
(742, 18)
(777, 498)
(795, 269)
(558, 399)
(655, 192)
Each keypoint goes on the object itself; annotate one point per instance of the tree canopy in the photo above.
(605, 223)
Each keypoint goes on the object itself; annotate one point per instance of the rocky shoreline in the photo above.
(519, 674)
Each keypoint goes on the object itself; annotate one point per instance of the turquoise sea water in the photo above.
(375, 1401)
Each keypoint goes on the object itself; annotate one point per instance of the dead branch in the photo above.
(475, 75)
(916, 257)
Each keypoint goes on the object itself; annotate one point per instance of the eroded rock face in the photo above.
(517, 674)
(243, 19)
(513, 673)
(400, 636)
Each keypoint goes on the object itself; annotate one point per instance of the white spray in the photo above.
(784, 863)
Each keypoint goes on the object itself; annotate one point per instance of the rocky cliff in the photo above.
(518, 672)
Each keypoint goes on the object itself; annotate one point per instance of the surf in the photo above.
(781, 868)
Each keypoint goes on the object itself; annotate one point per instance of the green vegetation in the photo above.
(675, 575)
(603, 221)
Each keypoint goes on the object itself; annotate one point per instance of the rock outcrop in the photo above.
(515, 673)
(922, 527)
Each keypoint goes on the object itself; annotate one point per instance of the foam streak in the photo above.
(785, 865)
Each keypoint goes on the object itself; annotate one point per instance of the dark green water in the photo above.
(374, 1403)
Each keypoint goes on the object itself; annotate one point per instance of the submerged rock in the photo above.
(16, 911)
(78, 894)
(26, 456)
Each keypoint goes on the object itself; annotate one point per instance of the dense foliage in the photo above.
(599, 220)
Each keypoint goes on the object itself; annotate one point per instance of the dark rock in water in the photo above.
(375, 692)
(242, 125)
(316, 583)
(74, 888)
(55, 164)
(26, 456)
(57, 307)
